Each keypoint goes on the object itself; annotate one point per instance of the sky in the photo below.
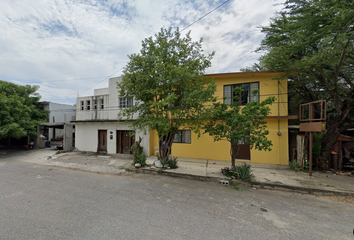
(71, 47)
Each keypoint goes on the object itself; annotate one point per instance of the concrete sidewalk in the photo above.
(265, 176)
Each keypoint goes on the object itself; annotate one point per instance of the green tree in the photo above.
(19, 110)
(168, 85)
(239, 125)
(312, 41)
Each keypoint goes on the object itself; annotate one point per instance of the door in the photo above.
(244, 151)
(126, 142)
(102, 140)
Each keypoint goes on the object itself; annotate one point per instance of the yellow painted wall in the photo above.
(206, 148)
(267, 87)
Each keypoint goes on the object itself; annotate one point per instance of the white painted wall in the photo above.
(87, 136)
(100, 91)
(59, 113)
(111, 103)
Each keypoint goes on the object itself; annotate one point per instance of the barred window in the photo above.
(245, 96)
(88, 105)
(102, 104)
(183, 136)
(82, 106)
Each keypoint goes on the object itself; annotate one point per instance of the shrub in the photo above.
(294, 165)
(135, 153)
(173, 162)
(140, 159)
(170, 162)
(242, 172)
(226, 171)
(164, 162)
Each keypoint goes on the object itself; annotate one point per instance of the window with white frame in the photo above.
(125, 103)
(102, 104)
(88, 105)
(82, 105)
(183, 136)
(95, 104)
(245, 96)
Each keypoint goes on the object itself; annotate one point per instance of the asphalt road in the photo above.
(41, 202)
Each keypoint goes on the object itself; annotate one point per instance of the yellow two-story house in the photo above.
(188, 145)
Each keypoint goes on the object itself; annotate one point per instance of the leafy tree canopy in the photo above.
(168, 85)
(239, 125)
(312, 41)
(19, 110)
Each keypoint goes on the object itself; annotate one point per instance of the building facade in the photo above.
(97, 125)
(187, 144)
(58, 113)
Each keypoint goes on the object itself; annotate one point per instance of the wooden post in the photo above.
(340, 157)
(310, 154)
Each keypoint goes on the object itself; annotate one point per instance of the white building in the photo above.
(97, 125)
(58, 113)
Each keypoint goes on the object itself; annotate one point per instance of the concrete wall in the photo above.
(59, 113)
(87, 136)
(111, 103)
(100, 91)
(68, 136)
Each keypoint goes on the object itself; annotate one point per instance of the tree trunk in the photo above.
(165, 145)
(232, 153)
(330, 140)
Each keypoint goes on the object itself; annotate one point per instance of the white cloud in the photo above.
(69, 46)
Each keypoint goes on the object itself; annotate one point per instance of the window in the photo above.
(183, 136)
(88, 105)
(102, 104)
(95, 105)
(125, 103)
(82, 106)
(246, 94)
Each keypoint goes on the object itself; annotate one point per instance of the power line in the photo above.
(75, 79)
(205, 15)
(74, 72)
(101, 81)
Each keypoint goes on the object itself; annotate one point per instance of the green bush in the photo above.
(294, 165)
(173, 162)
(242, 172)
(140, 150)
(140, 159)
(169, 162)
(164, 162)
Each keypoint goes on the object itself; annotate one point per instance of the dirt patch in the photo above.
(344, 199)
(113, 160)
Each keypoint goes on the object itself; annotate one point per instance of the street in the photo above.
(41, 202)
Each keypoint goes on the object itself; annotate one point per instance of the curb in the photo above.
(302, 190)
(174, 174)
(267, 186)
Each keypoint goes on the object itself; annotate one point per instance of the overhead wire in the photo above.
(205, 15)
(97, 83)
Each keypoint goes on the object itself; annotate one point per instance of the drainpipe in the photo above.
(279, 133)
